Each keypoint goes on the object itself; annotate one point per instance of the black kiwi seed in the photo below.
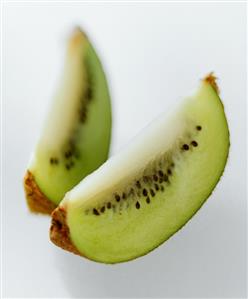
(109, 205)
(169, 171)
(68, 154)
(198, 128)
(138, 184)
(194, 143)
(148, 200)
(160, 172)
(185, 147)
(165, 178)
(172, 165)
(67, 166)
(117, 197)
(144, 192)
(102, 209)
(95, 212)
(82, 115)
(88, 93)
(155, 177)
(162, 188)
(161, 180)
(124, 195)
(152, 192)
(156, 187)
(137, 205)
(51, 160)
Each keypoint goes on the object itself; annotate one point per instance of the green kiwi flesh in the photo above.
(76, 137)
(140, 197)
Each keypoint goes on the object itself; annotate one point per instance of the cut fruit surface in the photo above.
(140, 197)
(76, 137)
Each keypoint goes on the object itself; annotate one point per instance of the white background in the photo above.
(153, 54)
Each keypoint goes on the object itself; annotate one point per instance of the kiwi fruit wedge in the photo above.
(76, 135)
(144, 194)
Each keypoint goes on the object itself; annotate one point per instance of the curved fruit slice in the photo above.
(76, 136)
(143, 195)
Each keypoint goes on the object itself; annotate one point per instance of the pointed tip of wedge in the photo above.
(59, 231)
(36, 200)
(78, 31)
(211, 79)
(77, 38)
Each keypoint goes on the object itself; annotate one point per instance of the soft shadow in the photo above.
(205, 259)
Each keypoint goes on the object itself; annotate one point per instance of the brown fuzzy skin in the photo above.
(36, 200)
(59, 231)
(211, 79)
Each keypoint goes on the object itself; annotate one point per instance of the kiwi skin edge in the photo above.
(59, 231)
(36, 200)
